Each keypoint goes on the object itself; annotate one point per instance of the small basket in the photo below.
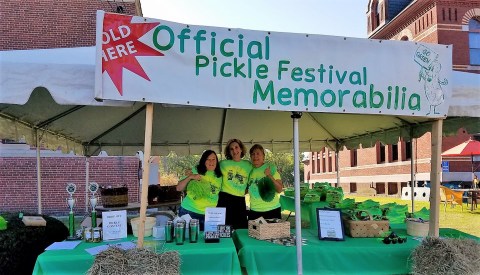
(148, 229)
(366, 229)
(262, 229)
(114, 197)
(417, 228)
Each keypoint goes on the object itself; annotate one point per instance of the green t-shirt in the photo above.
(256, 202)
(197, 204)
(235, 176)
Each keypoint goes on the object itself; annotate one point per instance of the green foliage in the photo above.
(285, 166)
(20, 245)
(174, 164)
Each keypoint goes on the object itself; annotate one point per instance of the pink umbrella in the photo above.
(468, 148)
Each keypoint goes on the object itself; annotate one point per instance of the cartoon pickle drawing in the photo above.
(430, 75)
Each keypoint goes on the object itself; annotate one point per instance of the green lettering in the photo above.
(262, 71)
(200, 62)
(284, 96)
(342, 77)
(355, 78)
(155, 38)
(222, 69)
(297, 74)
(341, 94)
(306, 94)
(254, 45)
(222, 47)
(363, 99)
(414, 102)
(281, 68)
(257, 89)
(309, 75)
(332, 98)
(373, 95)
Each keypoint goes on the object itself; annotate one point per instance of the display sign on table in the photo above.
(114, 224)
(214, 216)
(330, 224)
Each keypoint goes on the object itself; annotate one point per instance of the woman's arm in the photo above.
(277, 182)
(183, 183)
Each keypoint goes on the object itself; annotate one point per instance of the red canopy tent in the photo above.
(468, 148)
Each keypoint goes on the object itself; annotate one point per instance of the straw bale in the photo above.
(115, 260)
(446, 256)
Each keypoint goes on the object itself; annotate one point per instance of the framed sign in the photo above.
(330, 224)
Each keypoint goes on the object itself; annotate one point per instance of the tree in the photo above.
(172, 164)
(285, 166)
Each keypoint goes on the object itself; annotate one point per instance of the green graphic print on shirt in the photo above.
(235, 176)
(198, 204)
(256, 202)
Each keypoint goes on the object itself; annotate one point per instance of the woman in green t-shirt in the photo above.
(203, 186)
(264, 187)
(235, 173)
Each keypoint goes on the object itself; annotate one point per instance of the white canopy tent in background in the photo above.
(184, 129)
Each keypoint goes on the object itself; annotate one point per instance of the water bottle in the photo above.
(194, 230)
(180, 232)
(169, 232)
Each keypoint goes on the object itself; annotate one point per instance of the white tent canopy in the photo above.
(52, 90)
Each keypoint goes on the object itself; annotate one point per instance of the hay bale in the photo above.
(115, 261)
(446, 256)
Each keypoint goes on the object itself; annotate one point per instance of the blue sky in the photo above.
(328, 17)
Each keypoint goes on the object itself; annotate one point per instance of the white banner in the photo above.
(141, 59)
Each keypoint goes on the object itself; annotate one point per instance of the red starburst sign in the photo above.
(120, 47)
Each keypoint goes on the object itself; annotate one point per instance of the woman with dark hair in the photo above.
(235, 172)
(203, 185)
(264, 187)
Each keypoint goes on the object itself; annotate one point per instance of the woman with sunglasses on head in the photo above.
(235, 172)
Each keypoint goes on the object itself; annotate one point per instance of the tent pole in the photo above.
(337, 184)
(146, 173)
(298, 221)
(87, 179)
(39, 174)
(433, 230)
(412, 172)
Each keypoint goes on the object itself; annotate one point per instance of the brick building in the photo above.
(385, 169)
(57, 24)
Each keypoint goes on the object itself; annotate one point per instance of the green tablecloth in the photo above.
(308, 209)
(196, 258)
(354, 255)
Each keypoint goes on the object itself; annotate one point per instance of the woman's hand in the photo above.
(268, 173)
(195, 177)
(183, 183)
